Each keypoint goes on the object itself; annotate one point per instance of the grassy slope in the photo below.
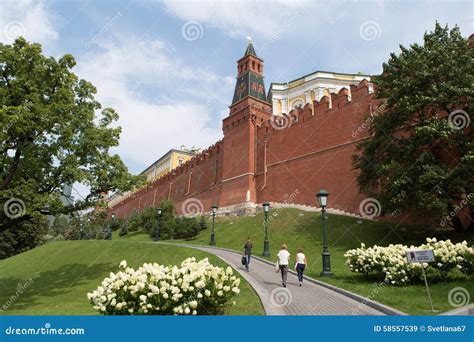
(63, 272)
(298, 229)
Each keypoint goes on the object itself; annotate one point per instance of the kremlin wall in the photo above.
(264, 157)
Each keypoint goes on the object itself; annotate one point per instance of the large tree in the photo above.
(52, 132)
(421, 156)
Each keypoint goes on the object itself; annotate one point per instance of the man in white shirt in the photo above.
(283, 261)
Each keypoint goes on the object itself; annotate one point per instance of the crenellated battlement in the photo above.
(266, 157)
(355, 96)
(200, 158)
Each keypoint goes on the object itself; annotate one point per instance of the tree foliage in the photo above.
(421, 156)
(52, 133)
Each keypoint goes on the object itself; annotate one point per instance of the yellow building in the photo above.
(172, 159)
(297, 93)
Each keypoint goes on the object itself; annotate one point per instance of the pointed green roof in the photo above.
(250, 50)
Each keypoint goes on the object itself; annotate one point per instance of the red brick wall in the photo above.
(198, 178)
(314, 152)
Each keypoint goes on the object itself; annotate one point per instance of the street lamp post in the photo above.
(213, 235)
(266, 243)
(109, 230)
(157, 228)
(323, 201)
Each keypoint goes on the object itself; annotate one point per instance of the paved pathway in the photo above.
(310, 299)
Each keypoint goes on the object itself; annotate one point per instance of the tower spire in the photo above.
(249, 76)
(250, 49)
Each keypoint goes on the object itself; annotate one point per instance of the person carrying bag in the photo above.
(247, 253)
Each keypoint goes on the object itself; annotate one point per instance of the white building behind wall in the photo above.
(297, 93)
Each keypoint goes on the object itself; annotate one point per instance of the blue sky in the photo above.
(168, 67)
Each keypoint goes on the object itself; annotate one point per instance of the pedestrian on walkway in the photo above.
(247, 253)
(283, 261)
(300, 265)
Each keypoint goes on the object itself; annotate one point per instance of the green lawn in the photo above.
(63, 272)
(298, 229)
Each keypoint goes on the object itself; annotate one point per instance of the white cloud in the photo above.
(239, 18)
(27, 18)
(151, 126)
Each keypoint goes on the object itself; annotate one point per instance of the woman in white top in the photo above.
(300, 264)
(283, 261)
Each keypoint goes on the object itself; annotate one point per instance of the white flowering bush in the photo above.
(390, 262)
(449, 256)
(195, 288)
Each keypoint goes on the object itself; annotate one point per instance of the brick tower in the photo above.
(249, 108)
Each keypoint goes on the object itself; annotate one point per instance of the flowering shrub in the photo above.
(195, 288)
(392, 264)
(449, 255)
(389, 261)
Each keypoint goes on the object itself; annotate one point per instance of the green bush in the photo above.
(168, 229)
(91, 226)
(123, 228)
(22, 236)
(134, 222)
(60, 225)
(52, 238)
(202, 223)
(115, 224)
(171, 227)
(186, 228)
(467, 263)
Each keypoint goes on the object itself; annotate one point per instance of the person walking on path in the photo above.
(247, 253)
(283, 261)
(300, 265)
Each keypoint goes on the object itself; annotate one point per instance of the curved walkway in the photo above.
(313, 298)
